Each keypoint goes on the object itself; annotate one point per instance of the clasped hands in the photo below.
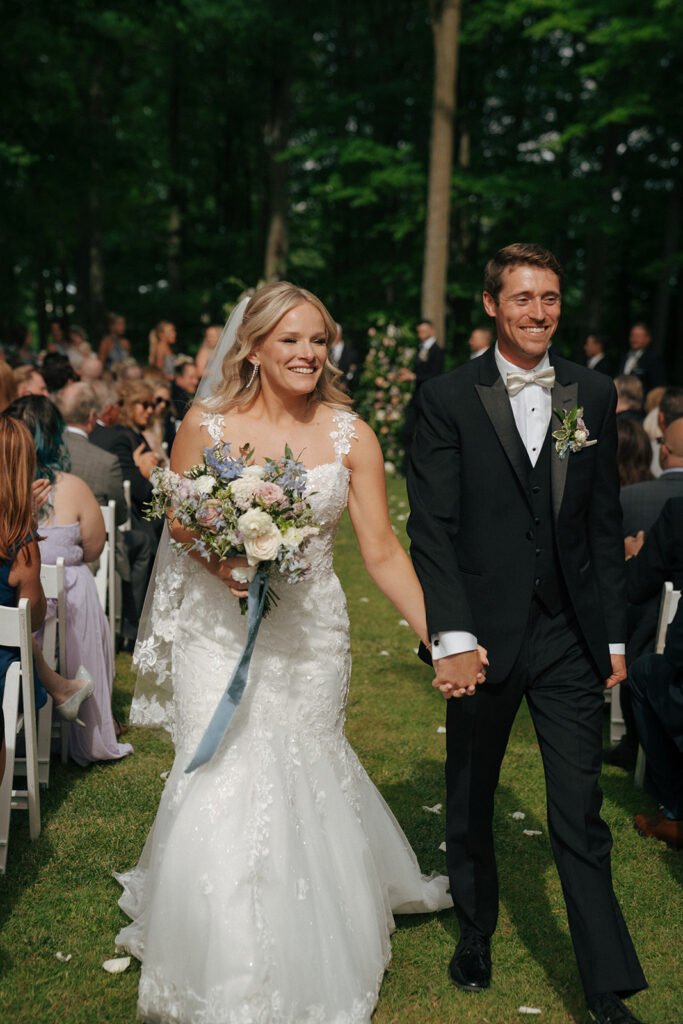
(458, 675)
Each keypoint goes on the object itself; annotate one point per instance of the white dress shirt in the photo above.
(632, 361)
(594, 360)
(532, 409)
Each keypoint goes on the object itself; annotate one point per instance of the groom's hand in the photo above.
(458, 674)
(618, 671)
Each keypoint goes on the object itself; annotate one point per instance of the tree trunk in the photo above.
(277, 138)
(445, 17)
(668, 274)
(175, 224)
(96, 119)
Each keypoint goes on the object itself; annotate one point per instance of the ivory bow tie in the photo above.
(519, 379)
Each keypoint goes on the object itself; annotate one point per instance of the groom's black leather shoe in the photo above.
(609, 1009)
(470, 968)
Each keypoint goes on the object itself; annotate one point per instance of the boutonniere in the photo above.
(573, 434)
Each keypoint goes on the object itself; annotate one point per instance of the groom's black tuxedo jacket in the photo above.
(474, 524)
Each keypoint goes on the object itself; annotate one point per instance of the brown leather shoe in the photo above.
(658, 826)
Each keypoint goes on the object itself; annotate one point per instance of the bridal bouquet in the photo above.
(237, 508)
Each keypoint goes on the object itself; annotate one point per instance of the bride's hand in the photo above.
(225, 567)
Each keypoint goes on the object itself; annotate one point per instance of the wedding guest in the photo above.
(345, 358)
(91, 368)
(127, 370)
(107, 416)
(642, 502)
(8, 386)
(641, 361)
(30, 381)
(185, 383)
(57, 341)
(57, 371)
(156, 433)
(428, 364)
(669, 407)
(656, 680)
(207, 348)
(135, 456)
(634, 452)
(21, 353)
(115, 346)
(79, 347)
(629, 398)
(594, 347)
(71, 527)
(162, 339)
(20, 574)
(101, 470)
(480, 341)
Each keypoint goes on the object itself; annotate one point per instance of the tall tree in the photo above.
(445, 18)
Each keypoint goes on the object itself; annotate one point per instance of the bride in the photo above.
(266, 889)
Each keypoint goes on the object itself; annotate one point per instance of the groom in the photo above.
(520, 550)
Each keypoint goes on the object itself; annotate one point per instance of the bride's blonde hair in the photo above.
(266, 308)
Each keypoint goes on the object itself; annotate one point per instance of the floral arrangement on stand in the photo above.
(383, 399)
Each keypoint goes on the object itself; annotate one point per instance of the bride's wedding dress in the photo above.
(266, 889)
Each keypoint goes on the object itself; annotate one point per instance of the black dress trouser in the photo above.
(565, 697)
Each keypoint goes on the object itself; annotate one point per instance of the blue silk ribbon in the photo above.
(218, 726)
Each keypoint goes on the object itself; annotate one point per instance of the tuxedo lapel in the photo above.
(563, 398)
(494, 398)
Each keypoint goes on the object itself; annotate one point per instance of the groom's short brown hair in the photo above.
(514, 255)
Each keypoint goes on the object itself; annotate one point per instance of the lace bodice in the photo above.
(327, 489)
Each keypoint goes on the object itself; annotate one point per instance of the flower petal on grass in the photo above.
(364, 599)
(164, 775)
(441, 728)
(529, 1009)
(63, 957)
(436, 809)
(518, 815)
(531, 832)
(443, 847)
(118, 964)
(403, 622)
(384, 654)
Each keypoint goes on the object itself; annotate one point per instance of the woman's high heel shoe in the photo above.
(70, 708)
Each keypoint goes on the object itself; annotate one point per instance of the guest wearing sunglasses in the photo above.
(127, 441)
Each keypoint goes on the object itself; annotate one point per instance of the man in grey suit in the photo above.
(101, 470)
(642, 503)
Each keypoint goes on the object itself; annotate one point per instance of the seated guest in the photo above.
(641, 361)
(29, 381)
(135, 456)
(8, 386)
(594, 347)
(107, 416)
(634, 453)
(91, 368)
(157, 431)
(629, 398)
(345, 358)
(101, 470)
(57, 371)
(71, 526)
(162, 338)
(669, 408)
(20, 575)
(656, 680)
(185, 383)
(641, 503)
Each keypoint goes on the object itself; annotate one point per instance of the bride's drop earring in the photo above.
(253, 374)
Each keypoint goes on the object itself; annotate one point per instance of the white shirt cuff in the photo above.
(452, 642)
(617, 649)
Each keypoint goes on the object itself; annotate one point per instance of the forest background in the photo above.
(157, 158)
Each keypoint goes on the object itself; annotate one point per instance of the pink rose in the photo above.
(209, 514)
(271, 493)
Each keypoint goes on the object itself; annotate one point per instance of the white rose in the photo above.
(255, 523)
(205, 484)
(242, 491)
(580, 436)
(264, 547)
(255, 472)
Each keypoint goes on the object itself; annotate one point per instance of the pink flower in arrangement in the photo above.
(209, 515)
(271, 493)
(371, 332)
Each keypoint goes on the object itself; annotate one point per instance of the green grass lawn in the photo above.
(58, 894)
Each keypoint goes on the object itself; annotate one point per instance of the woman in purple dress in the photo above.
(71, 526)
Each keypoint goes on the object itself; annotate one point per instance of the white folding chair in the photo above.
(667, 610)
(617, 725)
(105, 577)
(54, 652)
(15, 631)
